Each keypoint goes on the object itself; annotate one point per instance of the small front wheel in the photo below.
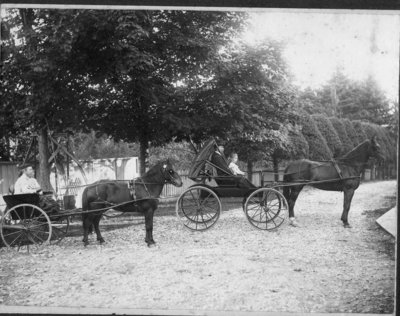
(198, 208)
(266, 209)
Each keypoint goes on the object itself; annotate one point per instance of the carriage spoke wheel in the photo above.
(266, 209)
(25, 227)
(198, 208)
(60, 229)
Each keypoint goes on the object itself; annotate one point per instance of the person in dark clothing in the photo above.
(221, 163)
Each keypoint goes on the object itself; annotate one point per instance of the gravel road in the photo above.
(318, 267)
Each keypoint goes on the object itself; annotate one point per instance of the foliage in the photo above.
(92, 146)
(318, 147)
(372, 130)
(340, 128)
(367, 102)
(245, 102)
(351, 132)
(391, 144)
(310, 101)
(328, 131)
(293, 144)
(360, 133)
(180, 154)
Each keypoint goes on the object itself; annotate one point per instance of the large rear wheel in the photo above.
(266, 209)
(198, 208)
(25, 226)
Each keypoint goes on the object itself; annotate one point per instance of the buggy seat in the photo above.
(224, 176)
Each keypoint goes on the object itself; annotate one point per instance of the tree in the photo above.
(351, 132)
(91, 146)
(244, 103)
(360, 133)
(340, 129)
(149, 53)
(318, 147)
(367, 103)
(112, 71)
(37, 86)
(180, 154)
(292, 146)
(329, 133)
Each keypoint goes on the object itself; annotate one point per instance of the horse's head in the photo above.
(170, 175)
(375, 150)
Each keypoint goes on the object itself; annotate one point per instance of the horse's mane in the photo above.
(154, 170)
(355, 151)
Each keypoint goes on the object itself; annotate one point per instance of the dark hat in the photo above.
(26, 165)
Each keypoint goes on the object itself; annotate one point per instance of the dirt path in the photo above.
(319, 267)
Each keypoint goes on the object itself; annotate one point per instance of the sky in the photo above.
(318, 43)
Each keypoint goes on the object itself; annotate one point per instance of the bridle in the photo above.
(168, 175)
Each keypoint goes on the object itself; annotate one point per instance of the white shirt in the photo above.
(25, 184)
(235, 169)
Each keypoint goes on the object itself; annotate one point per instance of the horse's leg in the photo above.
(348, 196)
(86, 221)
(96, 222)
(294, 194)
(149, 226)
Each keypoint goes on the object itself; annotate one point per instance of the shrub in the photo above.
(318, 147)
(328, 131)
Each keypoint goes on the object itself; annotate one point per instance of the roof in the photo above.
(201, 159)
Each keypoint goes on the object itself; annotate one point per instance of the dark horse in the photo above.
(345, 175)
(141, 195)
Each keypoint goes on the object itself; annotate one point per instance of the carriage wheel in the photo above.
(25, 225)
(198, 208)
(266, 209)
(60, 229)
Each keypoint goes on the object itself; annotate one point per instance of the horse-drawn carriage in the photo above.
(199, 206)
(26, 224)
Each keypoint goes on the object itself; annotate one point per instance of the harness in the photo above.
(132, 189)
(336, 166)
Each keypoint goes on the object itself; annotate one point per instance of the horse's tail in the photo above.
(286, 187)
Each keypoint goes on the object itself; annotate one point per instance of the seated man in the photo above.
(225, 176)
(27, 183)
(218, 159)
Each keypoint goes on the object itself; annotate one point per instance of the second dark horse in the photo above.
(142, 196)
(350, 166)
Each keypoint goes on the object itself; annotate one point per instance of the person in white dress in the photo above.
(233, 158)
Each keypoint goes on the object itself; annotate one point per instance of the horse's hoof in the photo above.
(85, 243)
(151, 243)
(347, 225)
(101, 240)
(294, 223)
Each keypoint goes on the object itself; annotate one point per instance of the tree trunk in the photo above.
(43, 176)
(250, 171)
(143, 155)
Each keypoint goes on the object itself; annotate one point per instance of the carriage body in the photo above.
(199, 206)
(25, 224)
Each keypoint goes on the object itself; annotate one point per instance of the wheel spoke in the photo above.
(15, 232)
(21, 234)
(37, 236)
